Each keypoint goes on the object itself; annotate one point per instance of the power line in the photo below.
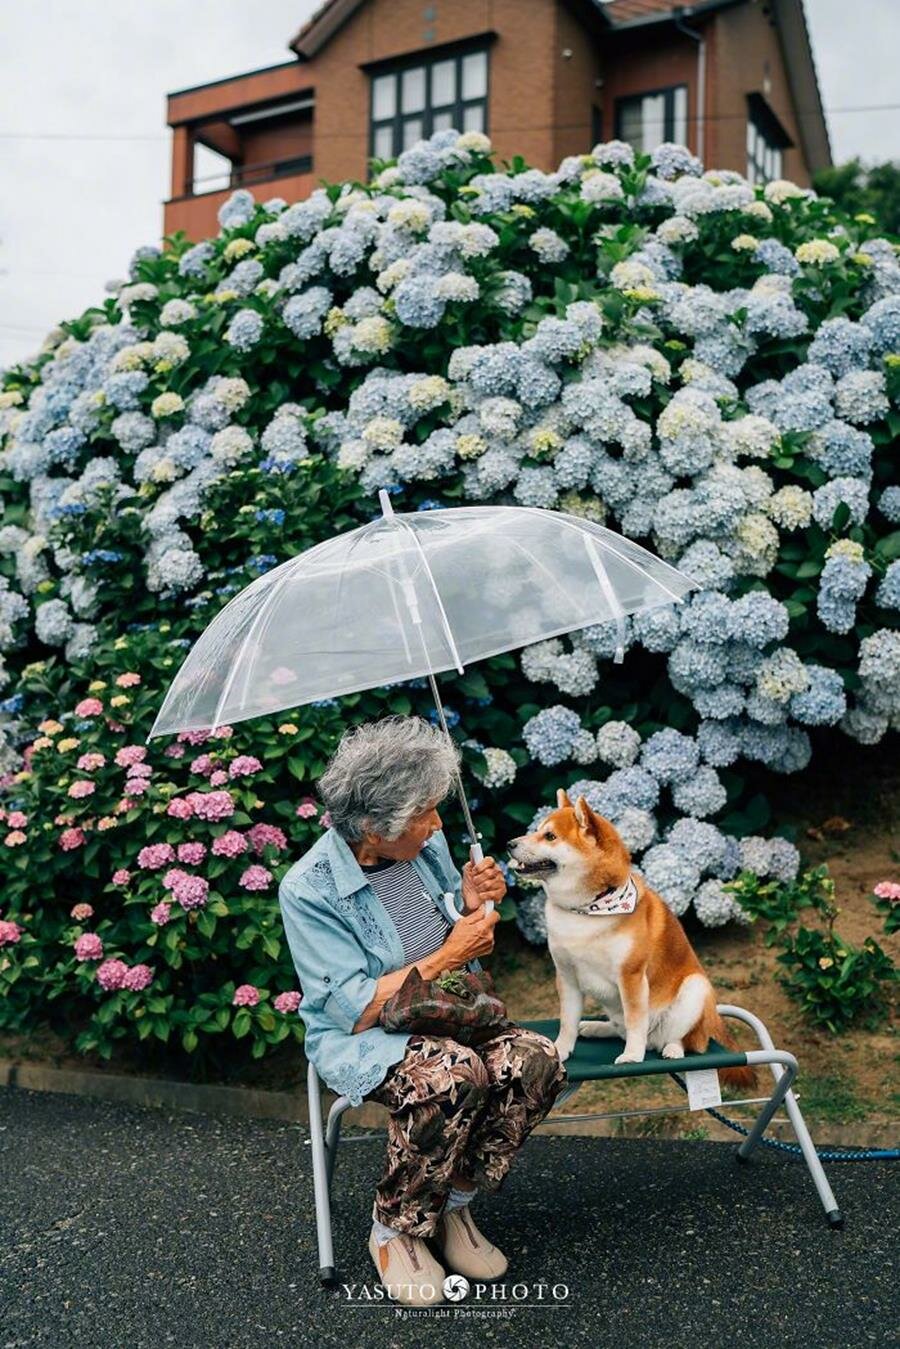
(78, 136)
(549, 126)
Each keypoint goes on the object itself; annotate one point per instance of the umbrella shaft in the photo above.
(460, 790)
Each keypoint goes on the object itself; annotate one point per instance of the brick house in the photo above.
(735, 80)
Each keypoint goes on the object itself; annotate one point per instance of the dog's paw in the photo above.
(563, 1049)
(629, 1057)
(673, 1050)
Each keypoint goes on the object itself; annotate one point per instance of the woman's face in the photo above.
(416, 833)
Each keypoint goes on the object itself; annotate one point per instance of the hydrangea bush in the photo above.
(706, 366)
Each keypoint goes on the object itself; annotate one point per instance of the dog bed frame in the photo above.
(593, 1061)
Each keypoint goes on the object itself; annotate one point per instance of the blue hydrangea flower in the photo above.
(702, 794)
(244, 330)
(550, 735)
(618, 744)
(671, 874)
(888, 592)
(669, 756)
(757, 619)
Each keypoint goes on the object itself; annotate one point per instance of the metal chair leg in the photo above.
(810, 1156)
(327, 1272)
(333, 1137)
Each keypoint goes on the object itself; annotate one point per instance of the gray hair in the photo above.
(385, 772)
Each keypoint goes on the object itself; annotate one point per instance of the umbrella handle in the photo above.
(476, 853)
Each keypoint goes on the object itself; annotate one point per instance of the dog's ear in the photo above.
(586, 818)
(562, 798)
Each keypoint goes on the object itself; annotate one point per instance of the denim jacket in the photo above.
(342, 940)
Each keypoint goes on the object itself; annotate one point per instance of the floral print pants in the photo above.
(462, 1112)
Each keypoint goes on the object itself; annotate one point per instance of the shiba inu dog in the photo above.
(614, 940)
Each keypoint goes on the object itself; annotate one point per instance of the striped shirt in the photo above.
(421, 926)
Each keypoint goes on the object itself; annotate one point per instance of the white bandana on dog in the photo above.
(621, 900)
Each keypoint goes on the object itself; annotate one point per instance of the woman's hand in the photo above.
(482, 881)
(471, 935)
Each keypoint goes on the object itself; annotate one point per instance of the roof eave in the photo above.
(322, 26)
(677, 13)
(800, 65)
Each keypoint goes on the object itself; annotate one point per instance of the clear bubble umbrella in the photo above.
(406, 596)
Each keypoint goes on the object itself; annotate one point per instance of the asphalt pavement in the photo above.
(122, 1226)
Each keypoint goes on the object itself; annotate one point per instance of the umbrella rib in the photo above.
(282, 581)
(621, 556)
(448, 631)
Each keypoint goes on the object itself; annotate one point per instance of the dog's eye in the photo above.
(549, 836)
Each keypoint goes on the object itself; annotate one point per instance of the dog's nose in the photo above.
(512, 843)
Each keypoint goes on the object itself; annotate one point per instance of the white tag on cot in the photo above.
(703, 1088)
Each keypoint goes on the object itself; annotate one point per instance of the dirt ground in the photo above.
(848, 815)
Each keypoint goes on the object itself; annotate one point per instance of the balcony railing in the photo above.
(242, 175)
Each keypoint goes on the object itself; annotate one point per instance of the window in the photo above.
(766, 141)
(763, 159)
(647, 120)
(415, 100)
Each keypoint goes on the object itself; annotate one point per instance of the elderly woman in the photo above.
(376, 894)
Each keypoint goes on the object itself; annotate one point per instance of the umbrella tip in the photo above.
(384, 500)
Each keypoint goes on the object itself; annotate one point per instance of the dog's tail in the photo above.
(711, 1026)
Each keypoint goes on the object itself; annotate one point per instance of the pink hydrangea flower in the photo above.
(17, 819)
(325, 821)
(256, 878)
(130, 754)
(14, 838)
(245, 996)
(261, 835)
(121, 876)
(887, 890)
(307, 809)
(230, 844)
(174, 751)
(88, 707)
(10, 932)
(180, 808)
(81, 912)
(140, 770)
(155, 855)
(137, 786)
(243, 766)
(70, 839)
(82, 787)
(203, 764)
(211, 805)
(89, 947)
(190, 891)
(223, 733)
(137, 978)
(128, 680)
(194, 737)
(218, 778)
(191, 853)
(88, 762)
(161, 913)
(114, 725)
(287, 1002)
(111, 974)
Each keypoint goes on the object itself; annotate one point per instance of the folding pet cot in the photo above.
(593, 1061)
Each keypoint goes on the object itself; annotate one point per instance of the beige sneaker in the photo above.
(465, 1249)
(408, 1270)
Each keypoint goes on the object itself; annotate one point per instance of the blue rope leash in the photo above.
(830, 1155)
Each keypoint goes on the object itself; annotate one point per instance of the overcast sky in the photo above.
(84, 149)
